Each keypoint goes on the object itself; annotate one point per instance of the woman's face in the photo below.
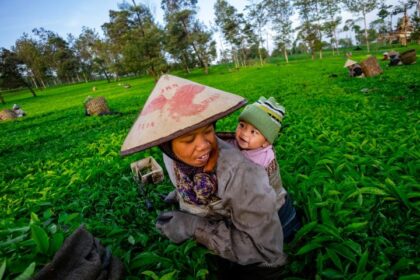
(194, 148)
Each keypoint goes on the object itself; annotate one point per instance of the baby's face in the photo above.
(248, 137)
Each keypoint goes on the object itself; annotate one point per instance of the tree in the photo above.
(248, 40)
(310, 29)
(204, 44)
(378, 25)
(134, 42)
(30, 53)
(109, 52)
(280, 12)
(348, 26)
(10, 74)
(383, 13)
(372, 35)
(309, 36)
(363, 7)
(184, 31)
(257, 16)
(176, 44)
(47, 57)
(236, 31)
(84, 49)
(178, 16)
(358, 35)
(330, 8)
(345, 43)
(60, 59)
(103, 58)
(416, 24)
(330, 28)
(228, 22)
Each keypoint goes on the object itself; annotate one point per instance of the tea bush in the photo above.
(348, 152)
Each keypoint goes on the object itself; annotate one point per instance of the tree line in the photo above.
(134, 43)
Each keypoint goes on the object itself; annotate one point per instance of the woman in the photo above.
(355, 70)
(242, 225)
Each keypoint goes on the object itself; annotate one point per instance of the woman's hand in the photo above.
(171, 198)
(211, 164)
(176, 225)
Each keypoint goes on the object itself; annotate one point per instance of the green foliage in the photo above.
(2, 269)
(135, 40)
(348, 156)
(10, 77)
(27, 273)
(186, 38)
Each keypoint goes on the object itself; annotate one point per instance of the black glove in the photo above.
(177, 226)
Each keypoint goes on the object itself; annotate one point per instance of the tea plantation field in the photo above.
(349, 153)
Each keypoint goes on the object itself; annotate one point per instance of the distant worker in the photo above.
(18, 111)
(355, 70)
(394, 58)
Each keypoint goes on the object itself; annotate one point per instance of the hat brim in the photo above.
(183, 131)
(349, 62)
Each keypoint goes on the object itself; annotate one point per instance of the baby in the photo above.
(258, 128)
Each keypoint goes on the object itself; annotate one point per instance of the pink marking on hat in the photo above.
(182, 102)
(156, 104)
(182, 105)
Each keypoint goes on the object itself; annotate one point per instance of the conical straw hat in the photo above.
(349, 62)
(392, 53)
(177, 106)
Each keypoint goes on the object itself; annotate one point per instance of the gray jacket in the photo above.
(243, 226)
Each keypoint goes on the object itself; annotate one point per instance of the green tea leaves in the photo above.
(40, 237)
(348, 159)
(2, 269)
(26, 275)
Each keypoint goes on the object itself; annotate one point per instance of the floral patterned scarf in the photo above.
(195, 186)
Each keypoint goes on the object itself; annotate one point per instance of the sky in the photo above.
(69, 16)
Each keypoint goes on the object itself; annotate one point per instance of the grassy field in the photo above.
(348, 151)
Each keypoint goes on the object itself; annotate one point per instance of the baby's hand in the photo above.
(211, 164)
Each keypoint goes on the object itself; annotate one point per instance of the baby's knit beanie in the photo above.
(265, 115)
